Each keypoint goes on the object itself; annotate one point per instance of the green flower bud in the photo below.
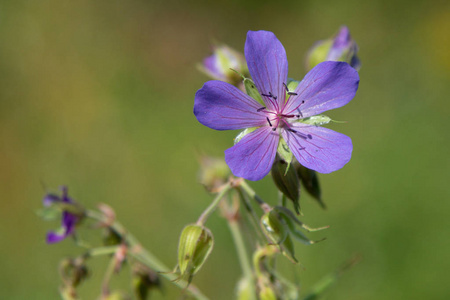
(196, 243)
(310, 181)
(287, 181)
(244, 290)
(267, 293)
(274, 227)
(214, 172)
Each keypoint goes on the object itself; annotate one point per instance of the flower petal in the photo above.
(49, 199)
(55, 237)
(318, 148)
(221, 106)
(327, 86)
(253, 156)
(268, 66)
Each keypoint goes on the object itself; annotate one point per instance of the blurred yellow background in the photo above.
(98, 95)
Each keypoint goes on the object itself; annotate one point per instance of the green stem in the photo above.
(252, 194)
(252, 216)
(210, 209)
(101, 251)
(146, 257)
(242, 255)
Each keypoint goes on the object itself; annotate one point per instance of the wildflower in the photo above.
(329, 85)
(70, 217)
(339, 48)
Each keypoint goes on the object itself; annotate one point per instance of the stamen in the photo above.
(292, 93)
(260, 109)
(273, 129)
(309, 136)
(271, 95)
(292, 130)
(270, 124)
(285, 86)
(287, 90)
(267, 95)
(301, 148)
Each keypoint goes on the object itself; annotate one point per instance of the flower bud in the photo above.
(196, 243)
(339, 48)
(287, 181)
(274, 227)
(267, 293)
(310, 181)
(244, 290)
(220, 64)
(73, 271)
(214, 172)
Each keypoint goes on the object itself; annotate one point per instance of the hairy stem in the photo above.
(242, 255)
(146, 257)
(210, 209)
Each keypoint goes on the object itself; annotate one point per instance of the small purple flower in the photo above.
(68, 221)
(329, 85)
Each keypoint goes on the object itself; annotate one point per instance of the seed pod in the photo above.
(196, 243)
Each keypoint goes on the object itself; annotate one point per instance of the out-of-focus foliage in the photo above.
(98, 95)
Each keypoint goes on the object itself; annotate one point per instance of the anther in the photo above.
(292, 130)
(285, 86)
(273, 129)
(292, 93)
(309, 136)
(271, 95)
(270, 124)
(260, 109)
(267, 95)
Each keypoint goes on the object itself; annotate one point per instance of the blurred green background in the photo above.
(98, 95)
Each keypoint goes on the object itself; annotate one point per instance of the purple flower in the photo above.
(329, 85)
(68, 221)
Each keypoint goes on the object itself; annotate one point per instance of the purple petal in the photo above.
(342, 42)
(221, 106)
(267, 63)
(49, 199)
(253, 156)
(327, 86)
(54, 237)
(69, 221)
(318, 148)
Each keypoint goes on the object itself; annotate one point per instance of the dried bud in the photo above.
(214, 172)
(287, 181)
(341, 47)
(196, 243)
(222, 62)
(73, 271)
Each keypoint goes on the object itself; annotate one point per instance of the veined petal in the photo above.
(327, 86)
(253, 156)
(221, 106)
(268, 66)
(318, 148)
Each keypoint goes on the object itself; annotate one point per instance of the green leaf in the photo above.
(49, 213)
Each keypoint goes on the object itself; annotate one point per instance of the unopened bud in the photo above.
(196, 243)
(310, 181)
(267, 293)
(223, 63)
(214, 172)
(341, 47)
(274, 227)
(73, 271)
(287, 181)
